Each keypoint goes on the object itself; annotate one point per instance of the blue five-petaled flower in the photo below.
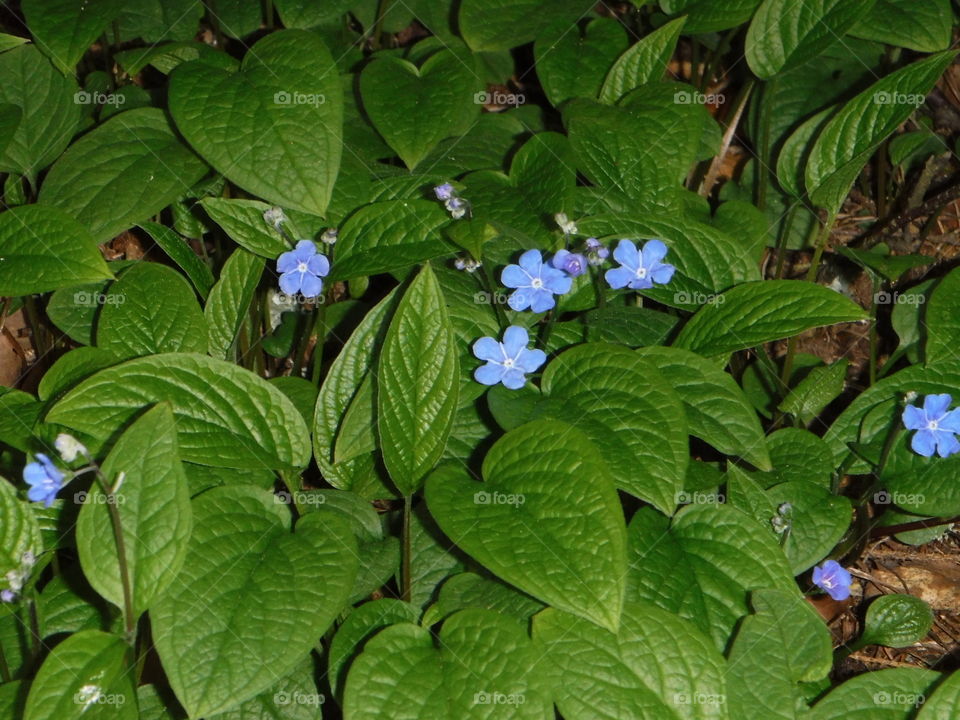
(302, 269)
(833, 579)
(535, 283)
(44, 479)
(508, 361)
(935, 426)
(639, 269)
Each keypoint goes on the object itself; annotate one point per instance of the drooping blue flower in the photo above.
(508, 361)
(44, 479)
(444, 192)
(302, 269)
(639, 269)
(833, 579)
(935, 426)
(573, 264)
(535, 283)
(457, 207)
(7, 596)
(596, 251)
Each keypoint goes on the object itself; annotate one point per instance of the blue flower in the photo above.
(302, 269)
(7, 596)
(639, 269)
(44, 479)
(535, 283)
(833, 579)
(596, 252)
(444, 192)
(934, 425)
(573, 264)
(507, 361)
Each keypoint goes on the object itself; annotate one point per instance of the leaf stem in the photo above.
(4, 668)
(129, 621)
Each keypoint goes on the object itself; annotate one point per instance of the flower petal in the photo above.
(914, 418)
(532, 261)
(287, 262)
(924, 442)
(950, 421)
(627, 255)
(37, 493)
(530, 360)
(488, 374)
(311, 285)
(290, 282)
(515, 339)
(319, 265)
(542, 301)
(305, 249)
(618, 277)
(520, 299)
(513, 379)
(653, 252)
(556, 281)
(936, 405)
(644, 283)
(34, 474)
(559, 259)
(488, 350)
(513, 276)
(662, 273)
(947, 443)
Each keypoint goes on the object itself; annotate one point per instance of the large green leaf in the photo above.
(703, 564)
(896, 621)
(629, 411)
(754, 313)
(414, 109)
(230, 301)
(49, 111)
(340, 387)
(155, 20)
(504, 24)
(182, 254)
(818, 520)
(389, 236)
(783, 35)
(151, 309)
(943, 704)
(275, 127)
(942, 321)
(248, 582)
(418, 384)
(243, 221)
(657, 666)
(786, 643)
(573, 63)
(46, 249)
(716, 408)
(153, 503)
(892, 694)
(851, 137)
(483, 668)
(540, 478)
(65, 29)
(817, 390)
(101, 179)
(86, 676)
(923, 26)
(705, 16)
(644, 62)
(226, 416)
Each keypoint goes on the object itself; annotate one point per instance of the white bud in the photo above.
(69, 447)
(329, 236)
(565, 224)
(275, 217)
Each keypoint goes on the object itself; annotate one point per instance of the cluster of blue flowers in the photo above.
(935, 426)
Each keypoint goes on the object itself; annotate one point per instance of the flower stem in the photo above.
(4, 668)
(491, 289)
(406, 571)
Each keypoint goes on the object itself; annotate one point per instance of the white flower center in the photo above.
(508, 363)
(932, 425)
(827, 582)
(302, 267)
(641, 272)
(536, 283)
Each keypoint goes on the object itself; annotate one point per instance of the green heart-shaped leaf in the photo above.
(248, 582)
(541, 479)
(415, 109)
(274, 128)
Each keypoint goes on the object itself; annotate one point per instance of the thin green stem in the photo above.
(321, 333)
(491, 289)
(4, 668)
(382, 8)
(821, 246)
(406, 573)
(763, 172)
(547, 329)
(783, 237)
(268, 13)
(129, 621)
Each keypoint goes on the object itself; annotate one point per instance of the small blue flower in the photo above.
(573, 264)
(833, 579)
(535, 283)
(457, 207)
(639, 269)
(444, 192)
(302, 269)
(44, 479)
(596, 252)
(935, 426)
(507, 361)
(7, 596)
